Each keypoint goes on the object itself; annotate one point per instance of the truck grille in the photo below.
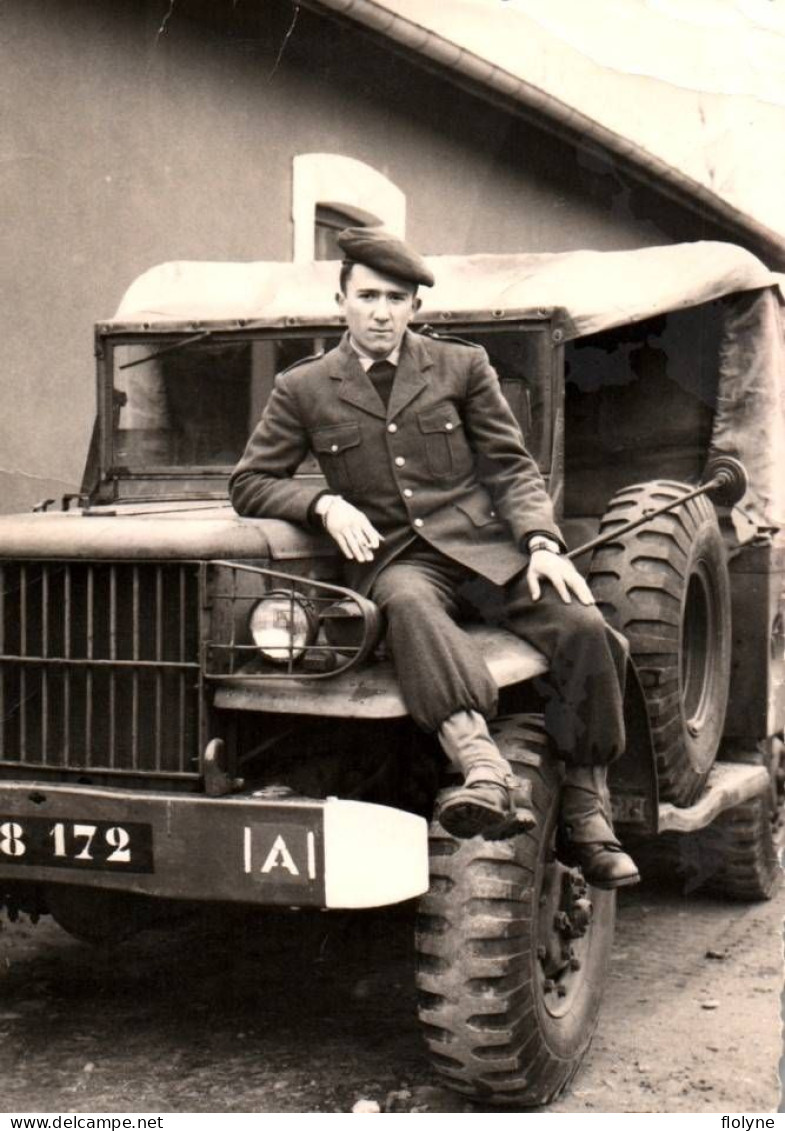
(99, 667)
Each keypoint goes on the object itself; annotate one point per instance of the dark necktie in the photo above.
(382, 374)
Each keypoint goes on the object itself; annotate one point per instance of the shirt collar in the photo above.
(366, 361)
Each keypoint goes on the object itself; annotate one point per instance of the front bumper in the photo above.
(295, 852)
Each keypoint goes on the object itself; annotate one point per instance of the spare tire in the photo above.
(665, 586)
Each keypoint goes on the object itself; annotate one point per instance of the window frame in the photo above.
(347, 185)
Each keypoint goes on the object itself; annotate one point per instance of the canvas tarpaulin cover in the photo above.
(590, 291)
(749, 418)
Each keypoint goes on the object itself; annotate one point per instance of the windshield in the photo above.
(188, 406)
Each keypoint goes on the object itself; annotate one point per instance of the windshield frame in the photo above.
(114, 483)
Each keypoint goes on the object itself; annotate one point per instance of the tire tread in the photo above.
(649, 615)
(477, 974)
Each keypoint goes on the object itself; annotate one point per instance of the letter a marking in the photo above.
(279, 856)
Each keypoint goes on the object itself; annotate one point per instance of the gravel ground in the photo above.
(306, 1012)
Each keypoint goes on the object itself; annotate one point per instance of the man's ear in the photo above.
(340, 299)
(416, 304)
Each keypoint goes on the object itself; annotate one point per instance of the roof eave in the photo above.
(512, 93)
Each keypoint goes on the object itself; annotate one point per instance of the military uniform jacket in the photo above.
(445, 460)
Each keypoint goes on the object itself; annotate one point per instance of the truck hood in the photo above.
(162, 531)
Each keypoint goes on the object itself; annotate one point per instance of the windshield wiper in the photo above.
(168, 349)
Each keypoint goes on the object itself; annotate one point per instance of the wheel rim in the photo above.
(563, 935)
(697, 660)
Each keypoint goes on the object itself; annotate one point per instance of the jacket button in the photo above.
(333, 447)
(407, 492)
(392, 427)
(448, 427)
(419, 522)
(399, 461)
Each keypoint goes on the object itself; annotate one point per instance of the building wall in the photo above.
(141, 131)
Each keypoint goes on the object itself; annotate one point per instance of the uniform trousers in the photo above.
(440, 670)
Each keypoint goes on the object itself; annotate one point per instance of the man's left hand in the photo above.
(561, 573)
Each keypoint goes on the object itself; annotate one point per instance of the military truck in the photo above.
(195, 709)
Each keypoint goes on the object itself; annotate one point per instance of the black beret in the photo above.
(385, 253)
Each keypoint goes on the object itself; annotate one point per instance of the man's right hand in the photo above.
(356, 536)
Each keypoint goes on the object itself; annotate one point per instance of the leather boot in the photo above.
(586, 822)
(492, 802)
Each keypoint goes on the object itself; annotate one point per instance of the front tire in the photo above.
(512, 948)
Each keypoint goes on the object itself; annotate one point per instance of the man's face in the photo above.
(377, 309)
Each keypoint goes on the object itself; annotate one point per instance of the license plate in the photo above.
(630, 810)
(104, 846)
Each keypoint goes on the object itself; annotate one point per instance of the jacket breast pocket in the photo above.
(336, 449)
(446, 449)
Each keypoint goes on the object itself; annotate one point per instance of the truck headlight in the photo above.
(282, 625)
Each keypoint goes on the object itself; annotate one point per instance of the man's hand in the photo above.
(349, 527)
(561, 573)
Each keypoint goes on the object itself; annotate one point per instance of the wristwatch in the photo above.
(542, 542)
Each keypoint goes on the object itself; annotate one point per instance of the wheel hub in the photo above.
(696, 666)
(565, 916)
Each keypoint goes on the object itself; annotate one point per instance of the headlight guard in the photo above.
(267, 624)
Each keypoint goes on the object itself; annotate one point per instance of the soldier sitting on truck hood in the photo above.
(430, 485)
